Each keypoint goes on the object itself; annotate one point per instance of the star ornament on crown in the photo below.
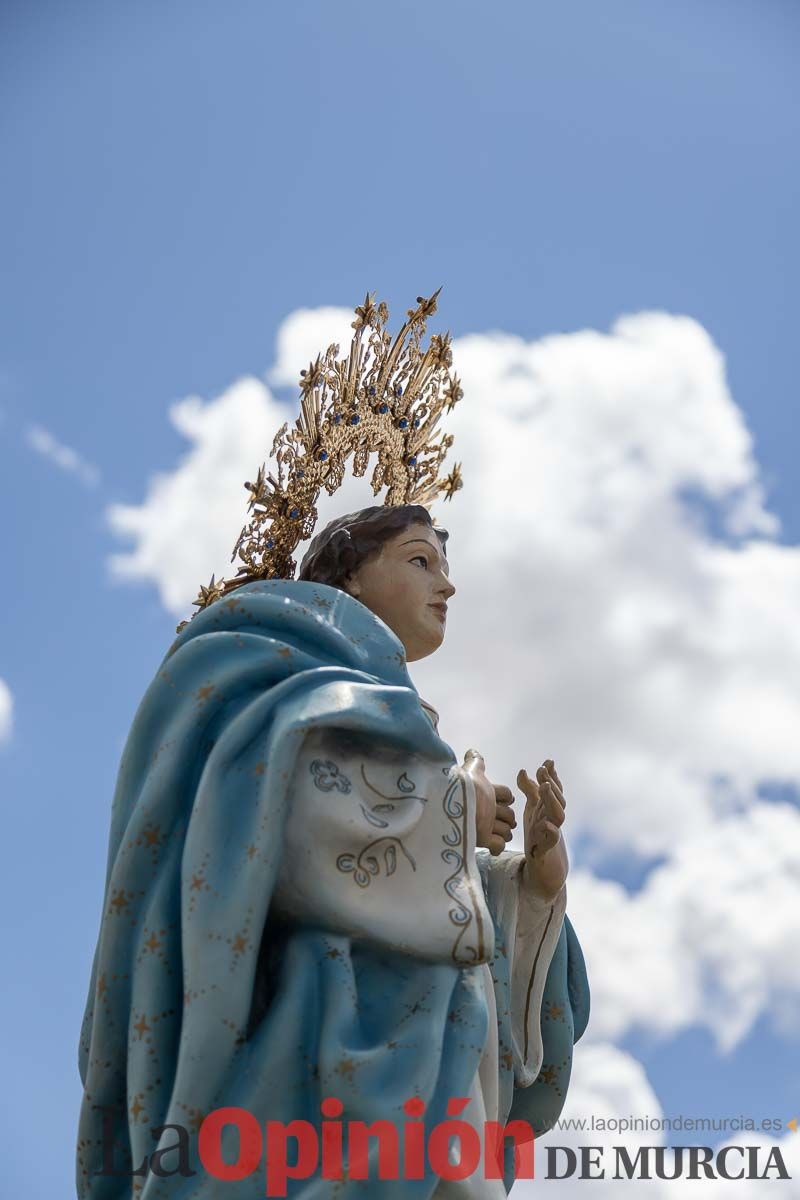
(386, 398)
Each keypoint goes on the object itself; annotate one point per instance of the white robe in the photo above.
(364, 857)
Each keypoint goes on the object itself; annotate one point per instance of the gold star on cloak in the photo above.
(142, 1027)
(346, 1067)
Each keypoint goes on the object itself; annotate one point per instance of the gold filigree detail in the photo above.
(385, 398)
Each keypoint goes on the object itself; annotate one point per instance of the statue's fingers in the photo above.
(496, 844)
(504, 812)
(501, 830)
(474, 761)
(528, 786)
(503, 794)
(553, 806)
(551, 766)
(557, 790)
(546, 803)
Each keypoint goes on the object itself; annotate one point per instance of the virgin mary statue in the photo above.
(311, 924)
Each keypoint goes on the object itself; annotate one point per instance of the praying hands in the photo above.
(546, 863)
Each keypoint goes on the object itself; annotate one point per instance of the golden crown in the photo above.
(384, 398)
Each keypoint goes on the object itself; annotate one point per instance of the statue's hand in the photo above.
(494, 817)
(544, 809)
(542, 821)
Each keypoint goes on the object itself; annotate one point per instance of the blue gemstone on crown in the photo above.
(417, 423)
(337, 420)
(384, 408)
(412, 458)
(295, 512)
(398, 390)
(270, 544)
(355, 419)
(371, 390)
(323, 454)
(403, 423)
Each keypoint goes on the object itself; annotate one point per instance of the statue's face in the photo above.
(407, 585)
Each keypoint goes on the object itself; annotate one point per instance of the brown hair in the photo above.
(344, 544)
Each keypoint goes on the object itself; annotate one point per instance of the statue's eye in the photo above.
(420, 558)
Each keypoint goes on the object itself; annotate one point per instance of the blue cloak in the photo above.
(195, 1002)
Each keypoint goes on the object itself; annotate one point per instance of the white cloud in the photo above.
(44, 443)
(6, 711)
(709, 940)
(186, 528)
(601, 623)
(597, 620)
(304, 334)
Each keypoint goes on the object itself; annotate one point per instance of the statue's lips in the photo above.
(441, 609)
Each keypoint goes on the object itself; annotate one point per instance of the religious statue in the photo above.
(311, 920)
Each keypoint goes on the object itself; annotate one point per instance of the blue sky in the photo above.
(178, 179)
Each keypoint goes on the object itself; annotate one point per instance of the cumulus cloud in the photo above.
(622, 606)
(602, 621)
(304, 334)
(712, 933)
(43, 442)
(185, 529)
(599, 619)
(6, 711)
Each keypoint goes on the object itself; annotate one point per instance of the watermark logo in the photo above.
(666, 1162)
(453, 1149)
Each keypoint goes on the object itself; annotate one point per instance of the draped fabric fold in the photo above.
(284, 718)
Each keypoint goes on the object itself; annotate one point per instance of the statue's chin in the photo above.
(423, 647)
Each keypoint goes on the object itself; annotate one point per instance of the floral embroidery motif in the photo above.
(328, 777)
(366, 866)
